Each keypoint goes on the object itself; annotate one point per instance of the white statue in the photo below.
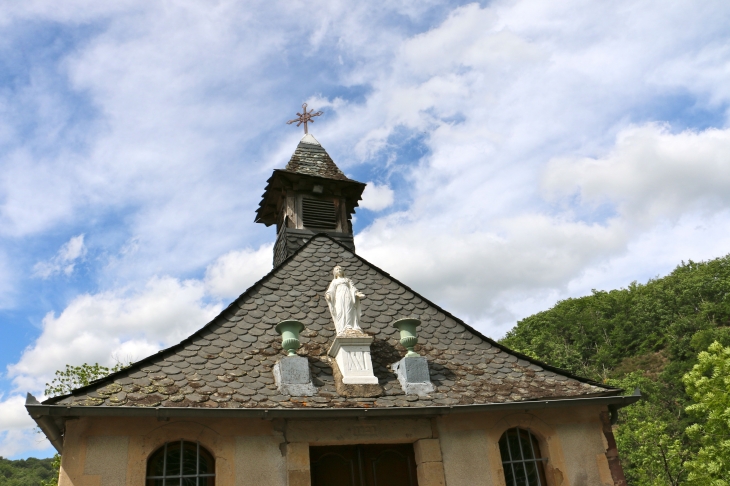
(343, 300)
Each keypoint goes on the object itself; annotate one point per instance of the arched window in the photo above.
(521, 459)
(181, 463)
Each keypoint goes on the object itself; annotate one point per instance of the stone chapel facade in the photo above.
(269, 394)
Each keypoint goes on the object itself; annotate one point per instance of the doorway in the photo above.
(363, 465)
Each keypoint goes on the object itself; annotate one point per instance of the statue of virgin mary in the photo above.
(343, 300)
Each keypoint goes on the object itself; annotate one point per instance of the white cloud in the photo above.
(114, 325)
(64, 261)
(17, 429)
(7, 280)
(650, 173)
(376, 197)
(231, 274)
(24, 442)
(13, 415)
(476, 274)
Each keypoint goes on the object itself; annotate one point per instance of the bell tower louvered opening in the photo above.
(310, 196)
(319, 214)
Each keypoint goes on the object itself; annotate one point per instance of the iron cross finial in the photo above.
(304, 117)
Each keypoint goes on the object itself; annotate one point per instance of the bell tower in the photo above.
(311, 195)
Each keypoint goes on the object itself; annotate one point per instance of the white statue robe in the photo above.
(344, 304)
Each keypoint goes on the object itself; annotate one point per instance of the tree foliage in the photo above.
(653, 449)
(709, 386)
(646, 335)
(77, 376)
(26, 472)
(56, 466)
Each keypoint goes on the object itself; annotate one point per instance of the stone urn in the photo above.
(408, 334)
(289, 331)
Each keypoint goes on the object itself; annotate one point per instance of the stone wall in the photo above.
(453, 450)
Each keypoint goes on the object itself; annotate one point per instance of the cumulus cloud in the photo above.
(120, 324)
(650, 173)
(17, 434)
(477, 273)
(231, 274)
(7, 281)
(13, 415)
(376, 197)
(64, 261)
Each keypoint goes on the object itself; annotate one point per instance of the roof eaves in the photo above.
(304, 174)
(41, 410)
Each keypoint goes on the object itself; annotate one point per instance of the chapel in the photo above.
(330, 372)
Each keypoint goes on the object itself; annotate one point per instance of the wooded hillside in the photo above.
(646, 335)
(25, 472)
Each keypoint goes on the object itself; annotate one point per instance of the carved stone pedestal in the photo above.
(413, 375)
(292, 377)
(353, 366)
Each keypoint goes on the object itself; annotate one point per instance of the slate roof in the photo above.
(228, 363)
(314, 160)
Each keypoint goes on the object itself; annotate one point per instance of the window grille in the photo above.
(319, 213)
(521, 460)
(181, 463)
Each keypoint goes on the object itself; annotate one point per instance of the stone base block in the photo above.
(354, 391)
(431, 474)
(292, 377)
(352, 354)
(413, 376)
(299, 478)
(427, 450)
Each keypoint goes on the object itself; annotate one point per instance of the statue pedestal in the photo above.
(292, 377)
(413, 376)
(351, 351)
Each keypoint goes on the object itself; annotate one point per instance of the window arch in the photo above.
(522, 462)
(181, 463)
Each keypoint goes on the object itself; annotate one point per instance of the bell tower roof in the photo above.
(311, 159)
(310, 196)
(312, 168)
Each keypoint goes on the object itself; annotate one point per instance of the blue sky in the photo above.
(517, 153)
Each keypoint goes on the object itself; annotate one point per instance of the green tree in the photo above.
(77, 376)
(708, 384)
(56, 465)
(647, 335)
(26, 472)
(653, 450)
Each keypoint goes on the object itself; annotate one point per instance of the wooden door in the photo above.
(363, 465)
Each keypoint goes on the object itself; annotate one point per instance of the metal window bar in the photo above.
(512, 466)
(512, 462)
(522, 455)
(534, 456)
(180, 475)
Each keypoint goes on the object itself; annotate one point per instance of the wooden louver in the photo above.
(319, 213)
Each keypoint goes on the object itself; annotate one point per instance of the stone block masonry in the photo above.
(293, 378)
